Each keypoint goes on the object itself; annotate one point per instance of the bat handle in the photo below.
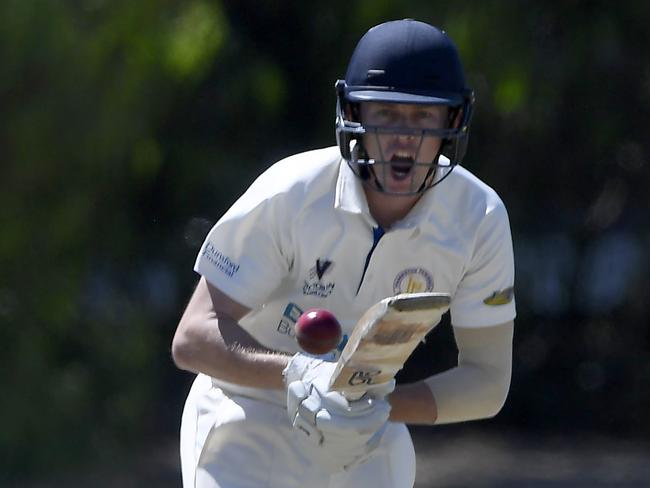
(353, 396)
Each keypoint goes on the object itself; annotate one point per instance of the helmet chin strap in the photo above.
(365, 172)
(371, 174)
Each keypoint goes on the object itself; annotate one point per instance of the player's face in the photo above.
(401, 151)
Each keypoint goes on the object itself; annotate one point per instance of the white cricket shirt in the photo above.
(301, 236)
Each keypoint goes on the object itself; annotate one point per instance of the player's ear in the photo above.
(353, 112)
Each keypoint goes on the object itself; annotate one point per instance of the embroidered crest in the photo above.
(413, 280)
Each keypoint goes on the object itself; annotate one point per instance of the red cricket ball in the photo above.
(318, 331)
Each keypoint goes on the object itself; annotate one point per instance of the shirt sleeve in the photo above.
(246, 254)
(485, 295)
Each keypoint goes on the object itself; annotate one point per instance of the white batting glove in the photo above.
(336, 433)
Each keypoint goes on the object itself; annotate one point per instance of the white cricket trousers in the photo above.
(239, 442)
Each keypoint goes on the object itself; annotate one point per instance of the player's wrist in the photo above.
(297, 366)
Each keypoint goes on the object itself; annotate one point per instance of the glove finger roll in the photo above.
(331, 422)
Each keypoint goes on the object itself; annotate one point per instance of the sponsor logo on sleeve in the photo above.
(220, 261)
(501, 297)
(413, 280)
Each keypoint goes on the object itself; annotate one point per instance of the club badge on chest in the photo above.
(413, 280)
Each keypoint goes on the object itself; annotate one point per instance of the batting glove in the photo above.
(336, 434)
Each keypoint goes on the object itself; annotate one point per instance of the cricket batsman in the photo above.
(388, 210)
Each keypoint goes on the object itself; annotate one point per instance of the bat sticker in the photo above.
(363, 377)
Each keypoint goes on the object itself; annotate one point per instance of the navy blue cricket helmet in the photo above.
(406, 62)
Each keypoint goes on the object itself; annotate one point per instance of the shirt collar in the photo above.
(350, 197)
(349, 192)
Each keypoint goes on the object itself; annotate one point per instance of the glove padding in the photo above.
(335, 433)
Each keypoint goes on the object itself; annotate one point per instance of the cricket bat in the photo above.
(384, 338)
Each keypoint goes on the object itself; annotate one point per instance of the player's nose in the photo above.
(404, 141)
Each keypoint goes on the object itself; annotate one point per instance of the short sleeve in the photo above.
(246, 253)
(485, 294)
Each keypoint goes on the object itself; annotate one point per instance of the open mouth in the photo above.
(401, 166)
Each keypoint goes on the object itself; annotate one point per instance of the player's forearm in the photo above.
(469, 392)
(200, 347)
(477, 388)
(209, 340)
(465, 393)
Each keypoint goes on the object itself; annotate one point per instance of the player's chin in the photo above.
(400, 189)
(401, 182)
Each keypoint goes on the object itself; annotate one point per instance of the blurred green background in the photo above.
(128, 127)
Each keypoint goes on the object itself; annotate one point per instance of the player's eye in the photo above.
(382, 116)
(428, 118)
(383, 112)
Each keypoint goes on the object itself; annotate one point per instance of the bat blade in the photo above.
(384, 338)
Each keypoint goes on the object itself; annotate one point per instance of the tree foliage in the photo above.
(129, 127)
